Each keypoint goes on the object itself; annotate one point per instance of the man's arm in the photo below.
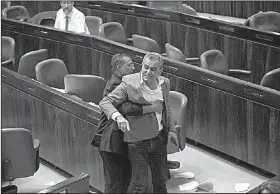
(86, 31)
(56, 23)
(173, 133)
(113, 99)
(129, 108)
(170, 120)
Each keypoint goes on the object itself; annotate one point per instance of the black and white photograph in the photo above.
(140, 96)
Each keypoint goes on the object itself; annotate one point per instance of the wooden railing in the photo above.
(244, 47)
(224, 113)
(77, 184)
(91, 55)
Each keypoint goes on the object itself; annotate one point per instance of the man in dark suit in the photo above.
(146, 135)
(109, 139)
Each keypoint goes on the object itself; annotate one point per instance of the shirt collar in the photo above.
(70, 15)
(160, 79)
(115, 76)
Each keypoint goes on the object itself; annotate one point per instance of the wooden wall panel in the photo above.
(192, 41)
(64, 138)
(34, 7)
(240, 9)
(215, 118)
(20, 110)
(78, 59)
(263, 136)
(261, 60)
(102, 62)
(26, 44)
(232, 125)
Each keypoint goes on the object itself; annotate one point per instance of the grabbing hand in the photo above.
(123, 124)
(157, 106)
(173, 137)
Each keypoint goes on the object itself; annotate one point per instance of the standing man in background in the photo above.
(146, 135)
(68, 18)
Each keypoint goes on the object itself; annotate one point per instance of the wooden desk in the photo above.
(235, 117)
(240, 9)
(256, 190)
(77, 184)
(63, 125)
(243, 47)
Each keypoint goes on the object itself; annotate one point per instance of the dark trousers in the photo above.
(117, 171)
(147, 153)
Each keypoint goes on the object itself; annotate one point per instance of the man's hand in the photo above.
(173, 137)
(123, 124)
(157, 106)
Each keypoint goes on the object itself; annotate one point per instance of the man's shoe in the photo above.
(9, 189)
(173, 164)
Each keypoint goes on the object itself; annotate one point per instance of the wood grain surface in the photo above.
(192, 41)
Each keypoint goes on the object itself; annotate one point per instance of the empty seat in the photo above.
(174, 53)
(266, 21)
(272, 79)
(8, 52)
(188, 10)
(20, 154)
(145, 43)
(215, 60)
(29, 61)
(178, 106)
(16, 12)
(51, 72)
(87, 87)
(93, 24)
(5, 4)
(248, 20)
(175, 6)
(113, 31)
(46, 18)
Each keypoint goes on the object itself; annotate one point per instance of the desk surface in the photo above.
(228, 19)
(256, 190)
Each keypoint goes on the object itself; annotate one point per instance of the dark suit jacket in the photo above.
(141, 127)
(109, 137)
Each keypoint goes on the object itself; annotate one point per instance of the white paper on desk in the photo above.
(50, 183)
(93, 104)
(188, 186)
(188, 175)
(240, 187)
(60, 90)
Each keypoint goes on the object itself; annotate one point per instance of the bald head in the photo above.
(122, 64)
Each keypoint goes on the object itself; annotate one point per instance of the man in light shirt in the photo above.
(146, 135)
(68, 18)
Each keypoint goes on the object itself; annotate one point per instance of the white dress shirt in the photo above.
(151, 96)
(76, 21)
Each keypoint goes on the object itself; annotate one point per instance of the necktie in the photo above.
(66, 22)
